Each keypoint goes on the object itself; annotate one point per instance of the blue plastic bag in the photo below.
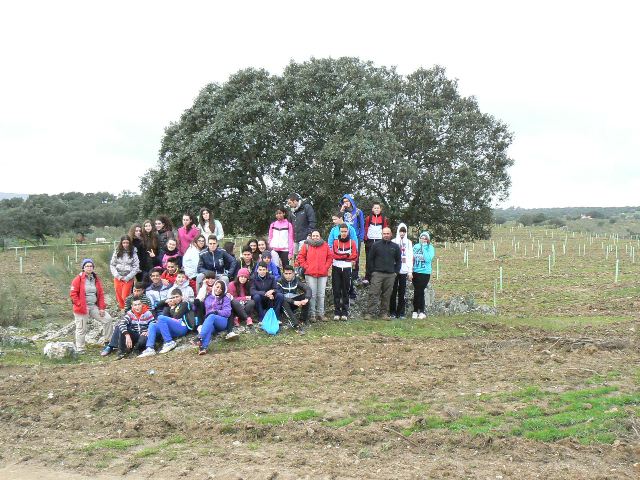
(270, 322)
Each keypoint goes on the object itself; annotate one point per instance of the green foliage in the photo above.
(327, 127)
(42, 216)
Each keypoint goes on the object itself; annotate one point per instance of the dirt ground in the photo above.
(204, 417)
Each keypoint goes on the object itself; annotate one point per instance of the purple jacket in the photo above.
(221, 307)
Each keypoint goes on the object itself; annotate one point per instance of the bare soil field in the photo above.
(365, 407)
(484, 398)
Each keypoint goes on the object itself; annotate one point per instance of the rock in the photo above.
(470, 300)
(52, 332)
(486, 310)
(457, 306)
(60, 349)
(429, 296)
(15, 340)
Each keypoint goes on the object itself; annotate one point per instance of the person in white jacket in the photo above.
(191, 257)
(397, 305)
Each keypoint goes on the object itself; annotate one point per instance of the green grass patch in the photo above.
(111, 444)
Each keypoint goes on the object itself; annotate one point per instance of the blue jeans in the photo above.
(169, 328)
(211, 323)
(262, 301)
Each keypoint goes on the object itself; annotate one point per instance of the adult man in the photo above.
(385, 261)
(216, 260)
(303, 219)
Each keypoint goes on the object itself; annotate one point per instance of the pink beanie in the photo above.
(244, 272)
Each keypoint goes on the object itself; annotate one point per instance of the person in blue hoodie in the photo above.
(423, 253)
(353, 216)
(271, 267)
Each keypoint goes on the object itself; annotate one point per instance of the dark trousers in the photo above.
(284, 257)
(119, 341)
(420, 282)
(264, 301)
(288, 308)
(380, 292)
(398, 302)
(341, 284)
(241, 311)
(367, 248)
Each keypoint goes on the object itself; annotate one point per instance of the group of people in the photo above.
(174, 284)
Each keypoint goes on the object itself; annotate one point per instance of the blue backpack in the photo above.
(270, 322)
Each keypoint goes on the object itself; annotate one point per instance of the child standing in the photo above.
(397, 305)
(281, 237)
(344, 253)
(423, 254)
(373, 226)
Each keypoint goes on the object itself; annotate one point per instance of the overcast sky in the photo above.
(87, 88)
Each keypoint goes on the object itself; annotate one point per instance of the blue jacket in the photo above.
(422, 255)
(271, 268)
(218, 261)
(355, 218)
(335, 233)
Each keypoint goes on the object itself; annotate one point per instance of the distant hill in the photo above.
(514, 213)
(13, 195)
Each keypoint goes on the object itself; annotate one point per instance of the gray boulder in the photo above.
(60, 349)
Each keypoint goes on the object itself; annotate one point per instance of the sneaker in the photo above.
(148, 352)
(202, 351)
(336, 318)
(421, 315)
(402, 316)
(365, 281)
(299, 330)
(322, 318)
(414, 315)
(236, 322)
(249, 321)
(196, 342)
(107, 351)
(231, 336)
(167, 347)
(343, 318)
(120, 356)
(392, 316)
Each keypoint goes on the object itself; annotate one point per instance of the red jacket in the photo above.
(339, 245)
(315, 260)
(79, 298)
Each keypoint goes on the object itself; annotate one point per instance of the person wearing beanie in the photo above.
(242, 304)
(87, 296)
(423, 253)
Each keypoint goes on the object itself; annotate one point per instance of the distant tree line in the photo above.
(538, 215)
(42, 216)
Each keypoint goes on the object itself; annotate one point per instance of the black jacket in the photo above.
(384, 257)
(303, 220)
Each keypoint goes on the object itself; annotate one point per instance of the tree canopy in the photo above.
(41, 216)
(327, 127)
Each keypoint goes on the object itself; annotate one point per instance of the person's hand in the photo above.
(410, 277)
(229, 296)
(290, 257)
(342, 208)
(144, 334)
(128, 341)
(151, 254)
(269, 294)
(199, 328)
(165, 281)
(101, 313)
(300, 303)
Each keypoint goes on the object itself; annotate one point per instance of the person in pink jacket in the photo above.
(281, 237)
(186, 233)
(315, 258)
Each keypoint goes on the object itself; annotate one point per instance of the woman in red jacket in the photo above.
(315, 258)
(88, 299)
